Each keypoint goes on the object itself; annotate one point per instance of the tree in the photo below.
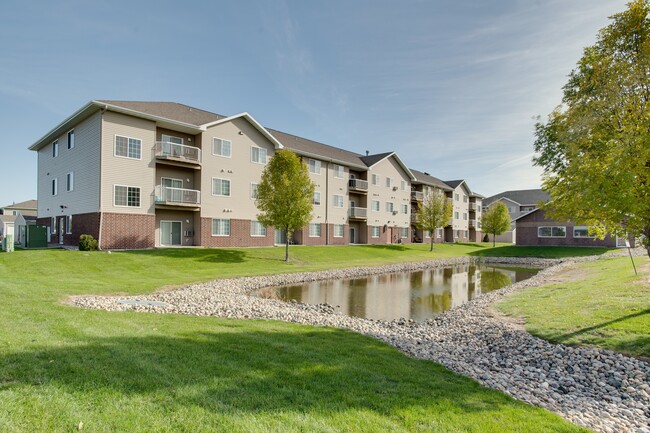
(284, 195)
(435, 211)
(496, 220)
(595, 147)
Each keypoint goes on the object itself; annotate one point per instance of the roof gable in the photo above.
(252, 121)
(372, 160)
(522, 197)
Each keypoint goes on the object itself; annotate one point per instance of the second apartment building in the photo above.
(145, 174)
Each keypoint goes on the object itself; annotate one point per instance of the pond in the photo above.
(416, 295)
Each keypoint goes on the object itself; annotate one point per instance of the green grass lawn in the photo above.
(599, 304)
(136, 372)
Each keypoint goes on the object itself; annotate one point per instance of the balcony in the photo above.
(178, 154)
(168, 196)
(474, 224)
(417, 196)
(359, 213)
(472, 207)
(414, 217)
(358, 185)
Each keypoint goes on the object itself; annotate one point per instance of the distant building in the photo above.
(25, 208)
(519, 202)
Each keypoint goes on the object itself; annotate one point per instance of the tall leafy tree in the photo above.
(595, 147)
(284, 195)
(434, 212)
(495, 220)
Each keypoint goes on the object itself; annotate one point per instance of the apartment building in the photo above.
(519, 203)
(143, 174)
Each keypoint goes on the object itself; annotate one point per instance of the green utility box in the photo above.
(36, 237)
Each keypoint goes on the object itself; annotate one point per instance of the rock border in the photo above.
(599, 389)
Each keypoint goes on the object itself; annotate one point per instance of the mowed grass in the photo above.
(61, 365)
(600, 304)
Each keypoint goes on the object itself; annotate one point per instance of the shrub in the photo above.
(87, 243)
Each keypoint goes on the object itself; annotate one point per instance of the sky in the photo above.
(454, 87)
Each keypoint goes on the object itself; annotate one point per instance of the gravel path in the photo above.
(598, 389)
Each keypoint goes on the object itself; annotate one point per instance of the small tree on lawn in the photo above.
(496, 220)
(284, 195)
(435, 211)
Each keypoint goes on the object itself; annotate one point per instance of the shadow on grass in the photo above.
(211, 255)
(241, 371)
(542, 252)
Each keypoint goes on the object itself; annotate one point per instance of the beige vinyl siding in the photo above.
(239, 169)
(82, 160)
(461, 207)
(320, 182)
(126, 171)
(338, 186)
(389, 167)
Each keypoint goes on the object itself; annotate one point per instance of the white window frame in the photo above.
(375, 179)
(55, 186)
(55, 148)
(337, 201)
(222, 141)
(222, 226)
(389, 182)
(127, 196)
(404, 233)
(456, 197)
(339, 171)
(260, 152)
(314, 166)
(464, 216)
(390, 206)
(68, 224)
(253, 190)
(439, 233)
(374, 208)
(257, 230)
(405, 209)
(314, 230)
(339, 230)
(71, 139)
(586, 228)
(315, 200)
(374, 229)
(69, 181)
(552, 229)
(220, 194)
(53, 224)
(128, 146)
(404, 185)
(170, 139)
(456, 215)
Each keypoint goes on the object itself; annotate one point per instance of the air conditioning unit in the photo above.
(394, 188)
(394, 212)
(188, 233)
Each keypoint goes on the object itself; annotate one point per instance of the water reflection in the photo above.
(412, 295)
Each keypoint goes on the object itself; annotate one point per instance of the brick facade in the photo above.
(82, 224)
(240, 235)
(127, 231)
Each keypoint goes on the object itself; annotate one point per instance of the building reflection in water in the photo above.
(416, 295)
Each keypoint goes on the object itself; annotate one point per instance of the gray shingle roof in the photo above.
(371, 160)
(426, 178)
(454, 183)
(169, 110)
(29, 204)
(522, 196)
(309, 147)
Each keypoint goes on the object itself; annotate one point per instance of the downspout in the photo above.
(101, 215)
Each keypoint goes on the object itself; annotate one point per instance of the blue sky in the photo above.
(452, 86)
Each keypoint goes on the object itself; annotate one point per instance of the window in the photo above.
(439, 233)
(254, 191)
(464, 198)
(71, 139)
(68, 224)
(316, 198)
(126, 196)
(55, 186)
(375, 206)
(314, 230)
(405, 232)
(427, 234)
(551, 232)
(339, 171)
(128, 147)
(465, 216)
(69, 181)
(339, 229)
(314, 166)
(338, 201)
(53, 224)
(221, 187)
(389, 182)
(375, 231)
(466, 233)
(258, 155)
(257, 229)
(456, 196)
(389, 207)
(375, 179)
(55, 149)
(405, 209)
(171, 139)
(404, 185)
(221, 147)
(220, 227)
(581, 232)
(456, 215)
